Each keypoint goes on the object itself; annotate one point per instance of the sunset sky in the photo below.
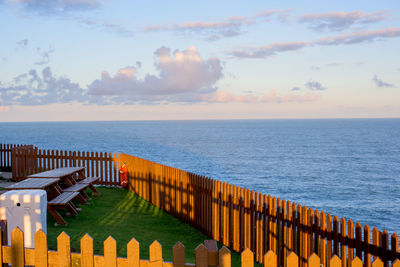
(68, 60)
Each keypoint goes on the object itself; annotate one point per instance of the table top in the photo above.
(33, 183)
(57, 173)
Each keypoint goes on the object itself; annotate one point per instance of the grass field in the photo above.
(123, 215)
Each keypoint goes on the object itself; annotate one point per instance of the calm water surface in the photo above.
(349, 168)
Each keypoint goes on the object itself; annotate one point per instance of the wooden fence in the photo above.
(5, 155)
(30, 160)
(241, 218)
(235, 216)
(40, 256)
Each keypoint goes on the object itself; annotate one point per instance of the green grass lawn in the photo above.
(123, 215)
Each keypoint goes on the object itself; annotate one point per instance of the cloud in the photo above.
(359, 37)
(183, 77)
(338, 21)
(4, 109)
(43, 88)
(381, 83)
(52, 7)
(23, 43)
(281, 14)
(344, 39)
(314, 85)
(211, 31)
(109, 27)
(295, 89)
(269, 50)
(274, 97)
(45, 56)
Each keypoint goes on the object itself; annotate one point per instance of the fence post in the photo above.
(178, 255)
(201, 256)
(64, 250)
(40, 249)
(110, 252)
(224, 257)
(133, 252)
(17, 248)
(270, 259)
(87, 251)
(247, 258)
(155, 254)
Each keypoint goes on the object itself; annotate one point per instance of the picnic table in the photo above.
(62, 185)
(71, 176)
(41, 183)
(57, 199)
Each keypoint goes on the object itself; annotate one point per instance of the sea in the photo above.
(345, 167)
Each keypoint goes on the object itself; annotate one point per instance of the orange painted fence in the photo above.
(18, 256)
(237, 217)
(240, 218)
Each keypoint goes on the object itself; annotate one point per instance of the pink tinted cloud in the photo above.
(342, 39)
(182, 77)
(4, 109)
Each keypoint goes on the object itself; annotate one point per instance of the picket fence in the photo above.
(18, 256)
(235, 216)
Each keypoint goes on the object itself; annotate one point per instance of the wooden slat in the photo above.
(313, 261)
(178, 255)
(201, 256)
(155, 254)
(17, 248)
(343, 247)
(247, 258)
(40, 249)
(367, 242)
(292, 260)
(224, 257)
(133, 252)
(110, 252)
(87, 251)
(64, 250)
(270, 259)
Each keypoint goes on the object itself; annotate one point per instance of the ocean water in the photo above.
(347, 167)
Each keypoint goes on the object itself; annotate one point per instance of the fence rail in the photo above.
(18, 256)
(237, 217)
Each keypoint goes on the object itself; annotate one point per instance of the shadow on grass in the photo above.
(124, 215)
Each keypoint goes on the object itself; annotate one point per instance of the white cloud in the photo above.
(184, 76)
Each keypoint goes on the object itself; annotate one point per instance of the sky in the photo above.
(74, 60)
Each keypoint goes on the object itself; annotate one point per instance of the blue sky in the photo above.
(134, 60)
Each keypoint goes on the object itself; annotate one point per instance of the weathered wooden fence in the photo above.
(237, 217)
(5, 155)
(18, 256)
(30, 160)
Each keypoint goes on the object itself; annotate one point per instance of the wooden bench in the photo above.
(91, 181)
(80, 188)
(61, 202)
